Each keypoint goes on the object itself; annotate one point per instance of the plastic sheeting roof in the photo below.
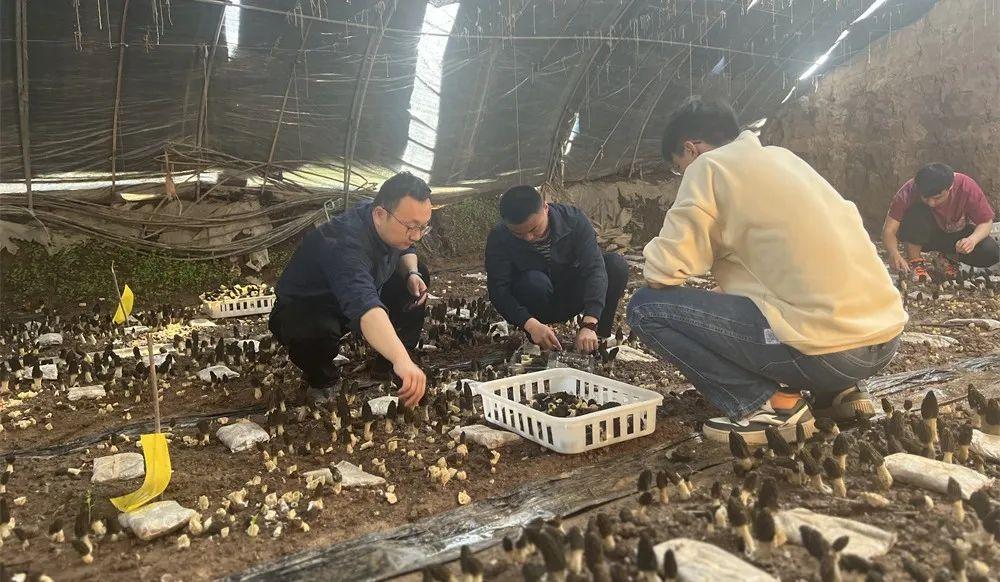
(479, 92)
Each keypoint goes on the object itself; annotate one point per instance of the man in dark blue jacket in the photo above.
(359, 272)
(543, 266)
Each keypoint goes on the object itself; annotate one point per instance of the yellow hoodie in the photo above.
(771, 229)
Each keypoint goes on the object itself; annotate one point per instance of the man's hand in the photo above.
(586, 341)
(414, 382)
(542, 335)
(966, 245)
(653, 285)
(417, 288)
(898, 263)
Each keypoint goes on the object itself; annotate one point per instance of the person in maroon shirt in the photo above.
(940, 210)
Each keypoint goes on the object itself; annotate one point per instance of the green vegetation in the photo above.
(460, 228)
(83, 273)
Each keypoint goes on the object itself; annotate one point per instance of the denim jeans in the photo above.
(555, 301)
(726, 349)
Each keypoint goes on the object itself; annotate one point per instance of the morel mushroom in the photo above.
(646, 560)
(955, 499)
(593, 553)
(871, 456)
(929, 412)
(836, 475)
(740, 523)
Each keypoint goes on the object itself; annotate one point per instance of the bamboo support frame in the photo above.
(572, 95)
(469, 135)
(664, 85)
(360, 90)
(21, 33)
(284, 105)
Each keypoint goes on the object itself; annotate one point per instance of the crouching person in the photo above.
(940, 210)
(359, 272)
(804, 302)
(543, 266)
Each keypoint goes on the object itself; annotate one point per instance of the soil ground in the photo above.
(50, 493)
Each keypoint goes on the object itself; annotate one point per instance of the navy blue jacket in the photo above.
(344, 258)
(575, 256)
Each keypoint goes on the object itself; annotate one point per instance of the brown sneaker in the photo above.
(846, 406)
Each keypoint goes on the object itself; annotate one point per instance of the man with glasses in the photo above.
(804, 303)
(543, 265)
(359, 272)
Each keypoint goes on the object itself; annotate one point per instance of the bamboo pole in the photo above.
(21, 32)
(118, 98)
(203, 109)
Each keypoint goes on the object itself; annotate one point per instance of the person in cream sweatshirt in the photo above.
(804, 306)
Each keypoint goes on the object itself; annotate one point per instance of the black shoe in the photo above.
(752, 427)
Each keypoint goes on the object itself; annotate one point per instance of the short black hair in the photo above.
(708, 120)
(402, 184)
(518, 203)
(932, 179)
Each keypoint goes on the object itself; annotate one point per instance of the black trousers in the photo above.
(311, 328)
(555, 301)
(919, 228)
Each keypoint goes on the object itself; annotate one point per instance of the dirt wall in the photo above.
(929, 92)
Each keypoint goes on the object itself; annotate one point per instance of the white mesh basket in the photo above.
(239, 307)
(635, 417)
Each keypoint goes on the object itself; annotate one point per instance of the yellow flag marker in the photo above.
(154, 446)
(157, 457)
(125, 302)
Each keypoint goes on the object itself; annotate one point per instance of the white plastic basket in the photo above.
(635, 417)
(239, 307)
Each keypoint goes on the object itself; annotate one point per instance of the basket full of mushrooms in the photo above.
(568, 410)
(238, 301)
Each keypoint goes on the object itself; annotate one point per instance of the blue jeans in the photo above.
(726, 349)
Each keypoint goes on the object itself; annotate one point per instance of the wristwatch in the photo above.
(417, 273)
(592, 326)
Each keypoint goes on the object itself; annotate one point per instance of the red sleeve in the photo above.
(901, 202)
(977, 207)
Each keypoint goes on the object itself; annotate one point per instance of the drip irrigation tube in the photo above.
(436, 539)
(135, 428)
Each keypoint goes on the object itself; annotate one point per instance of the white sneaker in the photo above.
(752, 427)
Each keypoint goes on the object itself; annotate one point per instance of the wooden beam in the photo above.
(21, 34)
(284, 104)
(360, 89)
(118, 98)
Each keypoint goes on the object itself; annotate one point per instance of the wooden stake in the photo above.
(152, 379)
